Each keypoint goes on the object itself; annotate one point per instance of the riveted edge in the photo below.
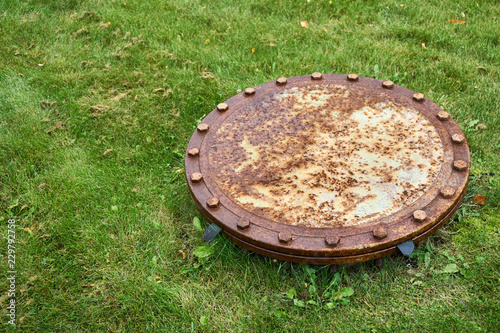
(419, 216)
(443, 115)
(203, 127)
(353, 77)
(249, 91)
(379, 233)
(447, 192)
(316, 76)
(458, 138)
(281, 81)
(243, 224)
(196, 177)
(332, 240)
(213, 202)
(460, 165)
(419, 97)
(193, 152)
(285, 236)
(388, 84)
(222, 107)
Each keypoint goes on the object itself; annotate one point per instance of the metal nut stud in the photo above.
(316, 76)
(419, 97)
(193, 152)
(213, 202)
(458, 138)
(243, 224)
(281, 81)
(447, 192)
(380, 233)
(196, 177)
(222, 107)
(249, 91)
(352, 77)
(285, 236)
(203, 127)
(460, 165)
(443, 115)
(388, 84)
(419, 216)
(332, 241)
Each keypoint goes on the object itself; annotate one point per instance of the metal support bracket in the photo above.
(406, 247)
(211, 232)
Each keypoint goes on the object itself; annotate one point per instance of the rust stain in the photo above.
(325, 156)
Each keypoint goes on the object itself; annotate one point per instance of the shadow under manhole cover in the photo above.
(327, 169)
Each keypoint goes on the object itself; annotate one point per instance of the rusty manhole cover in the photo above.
(327, 169)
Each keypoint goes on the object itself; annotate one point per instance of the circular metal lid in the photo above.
(327, 168)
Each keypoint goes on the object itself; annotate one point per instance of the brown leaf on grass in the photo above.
(456, 21)
(43, 187)
(29, 229)
(119, 96)
(207, 75)
(304, 24)
(59, 125)
(47, 103)
(423, 46)
(481, 126)
(82, 31)
(158, 90)
(183, 253)
(97, 109)
(481, 68)
(479, 199)
(107, 151)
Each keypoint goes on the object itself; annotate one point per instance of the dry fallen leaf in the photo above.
(463, 14)
(423, 45)
(158, 90)
(481, 126)
(457, 21)
(207, 41)
(481, 68)
(304, 24)
(180, 171)
(183, 253)
(59, 125)
(43, 187)
(29, 229)
(97, 109)
(107, 151)
(479, 199)
(119, 96)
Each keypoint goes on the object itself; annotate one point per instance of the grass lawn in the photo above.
(98, 100)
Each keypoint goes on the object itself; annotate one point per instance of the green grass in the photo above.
(102, 210)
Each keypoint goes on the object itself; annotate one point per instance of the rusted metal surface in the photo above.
(330, 167)
(338, 156)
